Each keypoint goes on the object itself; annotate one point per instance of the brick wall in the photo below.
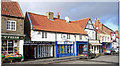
(19, 25)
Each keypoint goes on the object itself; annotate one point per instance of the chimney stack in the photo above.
(58, 16)
(96, 23)
(101, 26)
(67, 19)
(50, 15)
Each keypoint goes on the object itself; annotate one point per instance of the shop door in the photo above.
(81, 48)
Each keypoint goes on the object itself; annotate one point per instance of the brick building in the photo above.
(12, 28)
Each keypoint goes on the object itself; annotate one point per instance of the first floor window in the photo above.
(80, 37)
(11, 25)
(68, 36)
(44, 34)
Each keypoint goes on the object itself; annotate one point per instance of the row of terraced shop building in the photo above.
(44, 36)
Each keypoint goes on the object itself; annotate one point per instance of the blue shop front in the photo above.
(105, 45)
(81, 47)
(64, 48)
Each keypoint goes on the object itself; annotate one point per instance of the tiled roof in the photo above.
(107, 30)
(100, 31)
(11, 8)
(41, 22)
(82, 22)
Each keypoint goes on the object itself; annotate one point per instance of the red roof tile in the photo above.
(82, 22)
(41, 22)
(11, 8)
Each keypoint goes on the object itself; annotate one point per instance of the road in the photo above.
(107, 59)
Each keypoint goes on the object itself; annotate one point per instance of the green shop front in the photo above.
(12, 47)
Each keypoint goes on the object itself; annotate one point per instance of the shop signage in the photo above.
(65, 42)
(38, 43)
(93, 41)
(12, 37)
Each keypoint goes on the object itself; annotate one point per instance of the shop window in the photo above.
(11, 25)
(65, 49)
(58, 49)
(62, 49)
(68, 51)
(44, 34)
(8, 46)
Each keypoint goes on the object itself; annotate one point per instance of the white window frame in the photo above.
(10, 25)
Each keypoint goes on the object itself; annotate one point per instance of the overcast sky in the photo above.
(107, 12)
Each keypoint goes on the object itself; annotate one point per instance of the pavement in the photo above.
(102, 59)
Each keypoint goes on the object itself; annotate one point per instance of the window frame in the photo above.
(10, 25)
(44, 34)
(80, 37)
(68, 36)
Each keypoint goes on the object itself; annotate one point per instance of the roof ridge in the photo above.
(81, 19)
(46, 16)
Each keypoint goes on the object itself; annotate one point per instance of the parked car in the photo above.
(87, 55)
(111, 51)
(107, 51)
(114, 51)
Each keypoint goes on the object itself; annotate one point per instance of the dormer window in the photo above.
(11, 25)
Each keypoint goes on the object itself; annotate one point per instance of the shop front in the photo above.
(37, 49)
(94, 46)
(81, 47)
(64, 48)
(106, 45)
(12, 46)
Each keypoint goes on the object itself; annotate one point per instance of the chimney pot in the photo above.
(58, 16)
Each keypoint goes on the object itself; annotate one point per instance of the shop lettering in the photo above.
(11, 37)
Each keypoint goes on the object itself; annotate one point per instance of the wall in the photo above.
(60, 37)
(19, 25)
(84, 38)
(37, 36)
(21, 42)
(105, 39)
(91, 34)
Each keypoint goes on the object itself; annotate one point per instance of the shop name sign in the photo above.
(93, 41)
(12, 37)
(65, 42)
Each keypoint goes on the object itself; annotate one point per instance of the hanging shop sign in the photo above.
(12, 37)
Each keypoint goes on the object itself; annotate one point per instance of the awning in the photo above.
(95, 43)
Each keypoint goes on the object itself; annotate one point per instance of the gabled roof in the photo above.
(41, 22)
(82, 22)
(11, 8)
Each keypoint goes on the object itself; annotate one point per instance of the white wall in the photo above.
(35, 36)
(21, 42)
(91, 34)
(84, 38)
(72, 37)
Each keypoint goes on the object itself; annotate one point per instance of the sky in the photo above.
(107, 11)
